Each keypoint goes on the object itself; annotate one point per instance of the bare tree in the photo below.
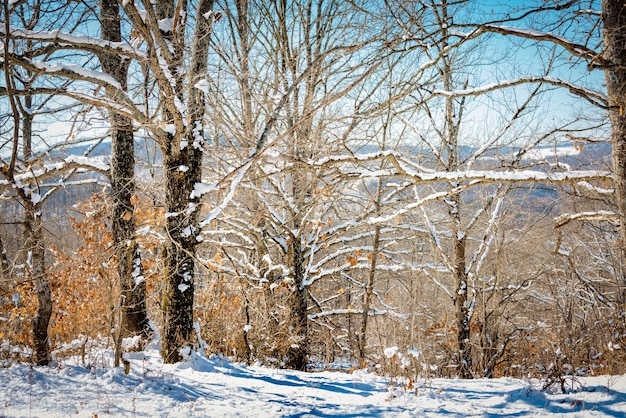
(134, 318)
(181, 141)
(27, 173)
(462, 239)
(614, 54)
(158, 43)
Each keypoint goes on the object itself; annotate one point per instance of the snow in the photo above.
(165, 25)
(97, 163)
(200, 189)
(596, 189)
(170, 128)
(35, 198)
(549, 152)
(87, 74)
(203, 85)
(421, 175)
(231, 194)
(62, 38)
(510, 176)
(143, 230)
(198, 137)
(391, 351)
(414, 352)
(215, 386)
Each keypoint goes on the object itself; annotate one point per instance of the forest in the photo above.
(425, 187)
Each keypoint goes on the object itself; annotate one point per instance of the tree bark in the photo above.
(369, 287)
(4, 269)
(462, 303)
(179, 256)
(35, 246)
(33, 229)
(614, 20)
(134, 316)
(298, 351)
(183, 169)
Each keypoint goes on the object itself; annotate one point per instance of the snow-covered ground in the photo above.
(215, 387)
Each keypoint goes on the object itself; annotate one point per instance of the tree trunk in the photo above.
(134, 318)
(133, 285)
(4, 269)
(182, 161)
(614, 19)
(298, 350)
(369, 288)
(35, 247)
(182, 229)
(453, 113)
(462, 304)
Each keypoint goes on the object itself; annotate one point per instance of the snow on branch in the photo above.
(351, 166)
(123, 107)
(522, 176)
(345, 311)
(372, 156)
(572, 47)
(227, 199)
(475, 176)
(595, 97)
(86, 43)
(595, 189)
(71, 71)
(601, 215)
(47, 171)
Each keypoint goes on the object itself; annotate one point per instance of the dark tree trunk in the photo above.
(4, 269)
(179, 251)
(182, 157)
(134, 318)
(369, 286)
(35, 246)
(462, 308)
(298, 350)
(614, 20)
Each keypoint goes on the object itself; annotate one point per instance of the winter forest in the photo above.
(428, 187)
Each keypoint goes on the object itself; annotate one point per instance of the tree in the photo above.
(614, 57)
(181, 140)
(610, 20)
(591, 35)
(158, 43)
(448, 92)
(288, 89)
(134, 318)
(27, 174)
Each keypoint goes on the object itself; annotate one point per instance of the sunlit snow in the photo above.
(217, 387)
